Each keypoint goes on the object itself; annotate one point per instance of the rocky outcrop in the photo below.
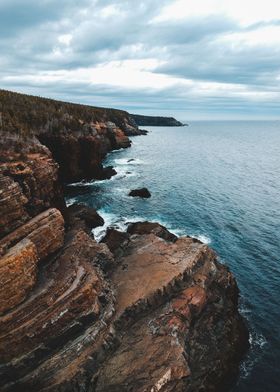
(171, 301)
(177, 318)
(156, 121)
(83, 217)
(141, 311)
(78, 136)
(80, 154)
(140, 192)
(116, 241)
(151, 227)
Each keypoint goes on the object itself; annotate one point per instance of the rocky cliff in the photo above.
(78, 136)
(141, 311)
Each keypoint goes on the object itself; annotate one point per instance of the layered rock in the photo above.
(166, 320)
(176, 310)
(29, 182)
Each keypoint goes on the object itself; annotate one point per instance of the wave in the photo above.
(114, 221)
(127, 161)
(121, 223)
(203, 238)
(257, 343)
(82, 183)
(71, 200)
(181, 232)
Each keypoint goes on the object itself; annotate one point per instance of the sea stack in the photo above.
(140, 192)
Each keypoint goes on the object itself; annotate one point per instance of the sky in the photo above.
(191, 59)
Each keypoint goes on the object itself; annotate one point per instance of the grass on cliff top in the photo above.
(26, 115)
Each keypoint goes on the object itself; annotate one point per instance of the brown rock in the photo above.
(18, 272)
(82, 216)
(151, 227)
(177, 344)
(45, 231)
(29, 184)
(12, 205)
(116, 241)
(62, 318)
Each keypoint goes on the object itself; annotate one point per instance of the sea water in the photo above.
(219, 182)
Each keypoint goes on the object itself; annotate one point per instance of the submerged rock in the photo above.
(140, 192)
(105, 173)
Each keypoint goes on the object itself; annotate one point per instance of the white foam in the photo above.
(115, 221)
(181, 232)
(203, 238)
(257, 342)
(82, 183)
(71, 201)
(128, 161)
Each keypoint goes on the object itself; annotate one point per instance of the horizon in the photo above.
(208, 61)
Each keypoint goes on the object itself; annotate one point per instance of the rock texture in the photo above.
(141, 311)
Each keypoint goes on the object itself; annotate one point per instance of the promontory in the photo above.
(139, 311)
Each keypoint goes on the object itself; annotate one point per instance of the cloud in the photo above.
(150, 55)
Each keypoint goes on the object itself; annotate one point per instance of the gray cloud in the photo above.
(190, 48)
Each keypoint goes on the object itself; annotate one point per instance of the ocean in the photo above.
(219, 182)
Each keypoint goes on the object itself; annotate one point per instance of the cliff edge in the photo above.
(141, 311)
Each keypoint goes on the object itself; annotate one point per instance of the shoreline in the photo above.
(63, 293)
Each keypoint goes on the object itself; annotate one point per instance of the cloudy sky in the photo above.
(194, 59)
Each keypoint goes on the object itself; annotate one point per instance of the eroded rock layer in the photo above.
(141, 311)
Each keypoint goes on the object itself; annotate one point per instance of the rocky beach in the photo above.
(142, 310)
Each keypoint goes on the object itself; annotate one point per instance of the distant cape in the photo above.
(156, 121)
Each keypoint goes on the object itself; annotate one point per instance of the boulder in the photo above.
(140, 192)
(81, 216)
(115, 240)
(151, 227)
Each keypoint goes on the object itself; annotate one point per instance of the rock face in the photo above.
(140, 192)
(141, 311)
(78, 136)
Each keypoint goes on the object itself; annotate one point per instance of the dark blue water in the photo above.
(219, 181)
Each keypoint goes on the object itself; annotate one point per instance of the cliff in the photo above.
(156, 121)
(78, 136)
(141, 311)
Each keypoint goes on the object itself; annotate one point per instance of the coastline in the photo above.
(91, 306)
